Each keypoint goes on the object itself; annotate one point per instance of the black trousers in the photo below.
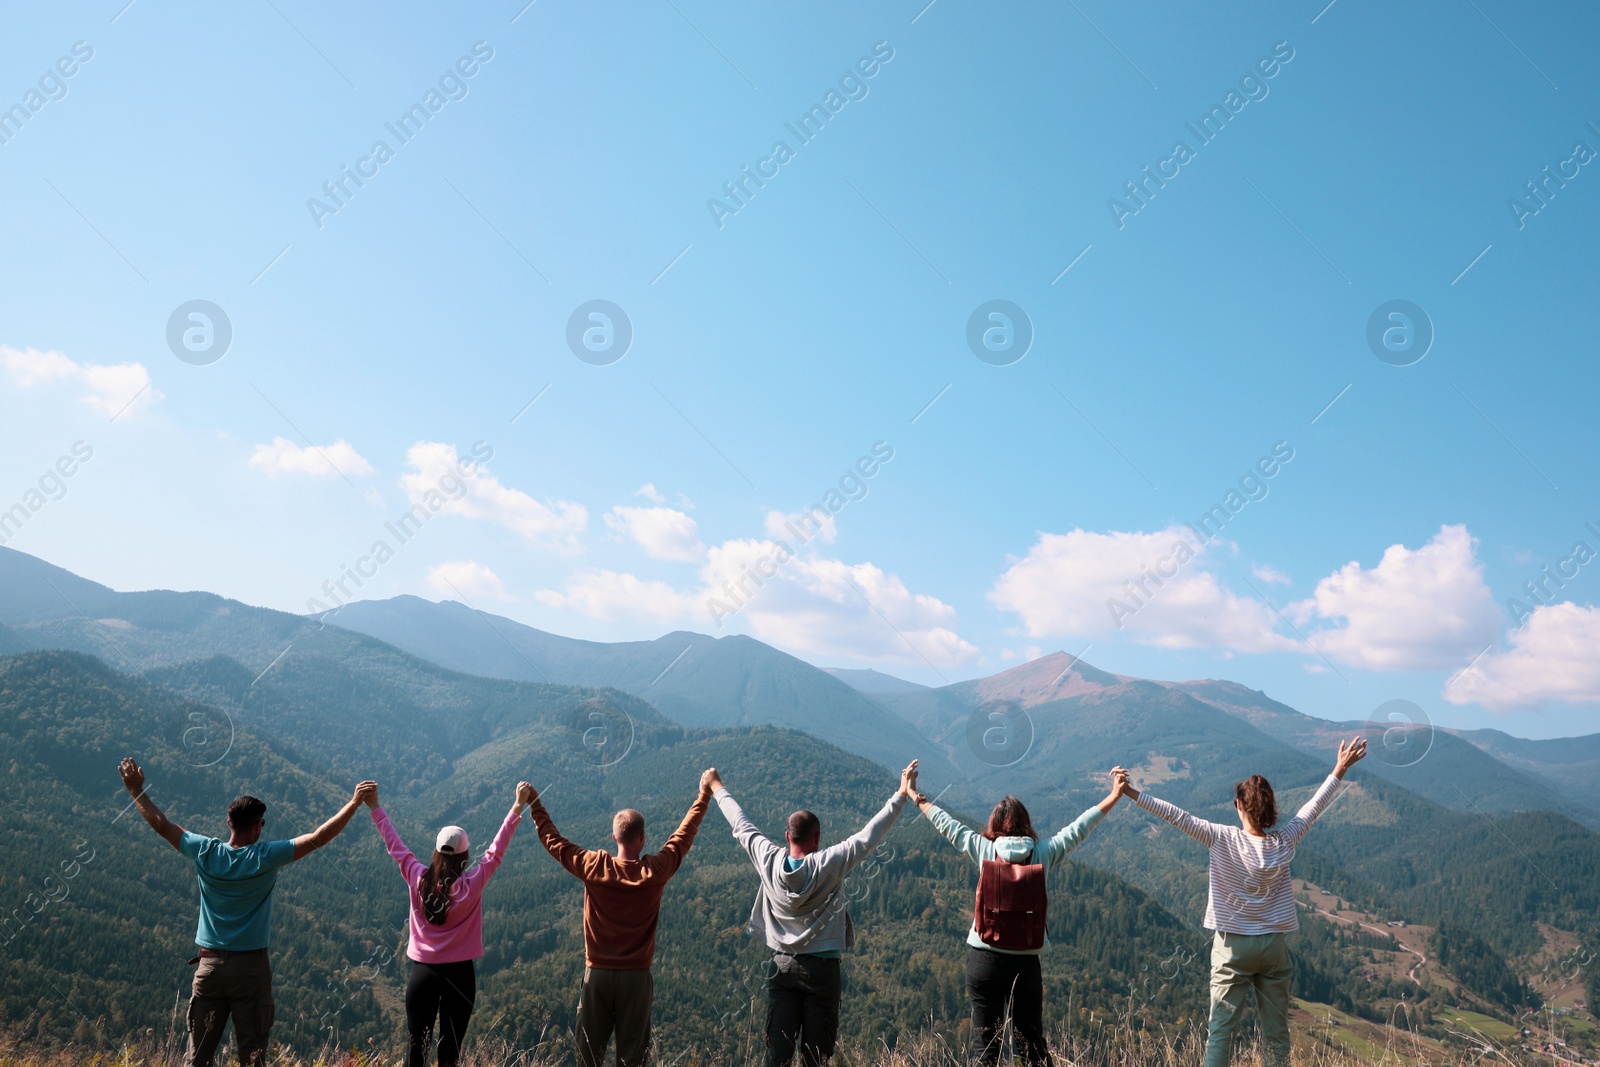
(439, 999)
(999, 984)
(802, 1009)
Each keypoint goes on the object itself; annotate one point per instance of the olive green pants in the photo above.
(1240, 963)
(615, 1002)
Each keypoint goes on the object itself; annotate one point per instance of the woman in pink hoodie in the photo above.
(446, 929)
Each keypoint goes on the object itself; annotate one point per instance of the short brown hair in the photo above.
(245, 812)
(1255, 797)
(804, 827)
(628, 826)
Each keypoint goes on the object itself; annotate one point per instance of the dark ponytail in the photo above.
(1255, 797)
(437, 883)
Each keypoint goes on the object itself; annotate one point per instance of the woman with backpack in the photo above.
(1250, 905)
(446, 929)
(1008, 925)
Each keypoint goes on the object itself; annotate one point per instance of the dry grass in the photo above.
(1110, 1049)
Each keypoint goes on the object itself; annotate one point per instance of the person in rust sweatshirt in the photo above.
(621, 906)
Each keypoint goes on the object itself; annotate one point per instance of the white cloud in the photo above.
(610, 595)
(807, 603)
(283, 456)
(802, 526)
(664, 533)
(1266, 572)
(1418, 609)
(815, 604)
(1552, 658)
(1151, 586)
(649, 491)
(110, 388)
(443, 481)
(466, 579)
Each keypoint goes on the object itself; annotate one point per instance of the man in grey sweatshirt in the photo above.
(802, 912)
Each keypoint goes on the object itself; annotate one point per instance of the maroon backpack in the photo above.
(1010, 910)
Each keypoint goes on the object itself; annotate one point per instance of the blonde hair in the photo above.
(627, 826)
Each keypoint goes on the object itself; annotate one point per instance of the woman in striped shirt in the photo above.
(1250, 905)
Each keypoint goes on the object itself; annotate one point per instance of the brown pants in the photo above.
(239, 986)
(614, 1002)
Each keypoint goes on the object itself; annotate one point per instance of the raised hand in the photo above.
(1350, 753)
(133, 778)
(526, 793)
(710, 781)
(132, 775)
(367, 793)
(908, 779)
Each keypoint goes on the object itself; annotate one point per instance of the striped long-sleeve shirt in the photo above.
(1251, 891)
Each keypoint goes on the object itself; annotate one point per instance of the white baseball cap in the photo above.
(451, 840)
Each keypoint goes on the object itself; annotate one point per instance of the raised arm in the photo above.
(682, 838)
(1072, 835)
(133, 779)
(306, 844)
(1199, 829)
(856, 847)
(492, 856)
(759, 846)
(411, 868)
(561, 850)
(1350, 753)
(954, 831)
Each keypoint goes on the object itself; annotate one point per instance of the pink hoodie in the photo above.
(461, 936)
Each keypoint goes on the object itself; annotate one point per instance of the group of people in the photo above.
(800, 911)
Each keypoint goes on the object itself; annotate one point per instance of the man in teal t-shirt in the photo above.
(235, 888)
(236, 877)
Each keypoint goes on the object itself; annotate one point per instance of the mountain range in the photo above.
(703, 681)
(448, 706)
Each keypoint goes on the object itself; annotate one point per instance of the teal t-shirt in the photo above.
(235, 890)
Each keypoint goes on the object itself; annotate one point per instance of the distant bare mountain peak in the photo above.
(1054, 677)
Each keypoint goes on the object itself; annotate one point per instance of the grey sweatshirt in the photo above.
(803, 910)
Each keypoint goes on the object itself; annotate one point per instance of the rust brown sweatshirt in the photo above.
(621, 898)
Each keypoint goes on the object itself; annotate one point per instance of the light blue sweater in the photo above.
(1013, 850)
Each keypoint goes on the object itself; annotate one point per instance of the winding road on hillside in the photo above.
(1421, 959)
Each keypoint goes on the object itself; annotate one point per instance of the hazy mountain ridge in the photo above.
(1463, 770)
(694, 679)
(873, 681)
(1439, 764)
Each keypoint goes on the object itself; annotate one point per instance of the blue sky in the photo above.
(773, 347)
